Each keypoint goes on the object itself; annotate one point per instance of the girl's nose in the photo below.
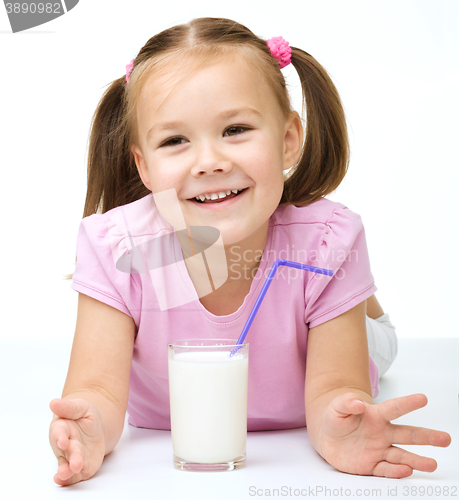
(209, 161)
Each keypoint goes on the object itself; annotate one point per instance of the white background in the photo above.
(395, 64)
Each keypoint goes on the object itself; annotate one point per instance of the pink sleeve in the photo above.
(342, 248)
(96, 274)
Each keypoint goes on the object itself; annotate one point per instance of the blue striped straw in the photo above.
(279, 262)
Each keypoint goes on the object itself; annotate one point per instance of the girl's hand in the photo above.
(77, 438)
(358, 438)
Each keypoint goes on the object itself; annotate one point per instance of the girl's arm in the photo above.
(345, 426)
(100, 362)
(337, 363)
(88, 421)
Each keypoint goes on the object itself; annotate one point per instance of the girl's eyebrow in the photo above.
(227, 114)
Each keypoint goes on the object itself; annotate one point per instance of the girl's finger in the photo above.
(395, 408)
(59, 437)
(75, 457)
(70, 466)
(72, 409)
(399, 456)
(65, 476)
(348, 404)
(74, 478)
(393, 471)
(63, 472)
(407, 434)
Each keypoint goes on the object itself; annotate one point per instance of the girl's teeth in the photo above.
(216, 196)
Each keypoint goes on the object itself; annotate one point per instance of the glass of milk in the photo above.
(208, 404)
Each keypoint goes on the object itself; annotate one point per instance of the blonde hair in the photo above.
(112, 175)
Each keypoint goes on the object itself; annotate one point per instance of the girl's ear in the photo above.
(141, 166)
(293, 140)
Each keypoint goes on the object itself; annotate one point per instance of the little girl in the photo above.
(199, 133)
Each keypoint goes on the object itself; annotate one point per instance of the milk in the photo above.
(208, 400)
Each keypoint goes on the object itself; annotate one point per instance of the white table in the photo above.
(279, 463)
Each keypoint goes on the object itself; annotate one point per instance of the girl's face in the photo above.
(217, 131)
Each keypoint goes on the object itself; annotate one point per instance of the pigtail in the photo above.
(112, 176)
(113, 179)
(325, 157)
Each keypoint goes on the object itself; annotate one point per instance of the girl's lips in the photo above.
(221, 205)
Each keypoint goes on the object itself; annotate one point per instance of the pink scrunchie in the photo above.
(281, 50)
(128, 70)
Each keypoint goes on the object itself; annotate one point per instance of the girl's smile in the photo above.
(219, 200)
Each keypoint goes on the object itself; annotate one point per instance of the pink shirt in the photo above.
(325, 234)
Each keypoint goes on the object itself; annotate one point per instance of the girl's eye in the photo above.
(233, 130)
(236, 130)
(173, 141)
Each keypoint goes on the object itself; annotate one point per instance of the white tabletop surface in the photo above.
(279, 463)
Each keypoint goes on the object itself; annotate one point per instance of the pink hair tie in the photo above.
(281, 50)
(128, 70)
